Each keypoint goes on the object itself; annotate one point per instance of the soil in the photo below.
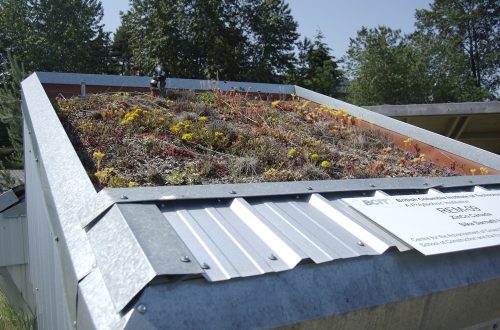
(127, 140)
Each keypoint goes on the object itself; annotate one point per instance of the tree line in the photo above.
(452, 56)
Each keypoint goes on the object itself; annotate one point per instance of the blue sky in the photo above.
(338, 20)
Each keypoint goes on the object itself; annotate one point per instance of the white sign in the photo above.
(440, 223)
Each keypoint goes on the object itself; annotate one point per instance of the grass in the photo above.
(10, 319)
(128, 140)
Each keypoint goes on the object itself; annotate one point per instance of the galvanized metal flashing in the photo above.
(133, 244)
(174, 83)
(102, 201)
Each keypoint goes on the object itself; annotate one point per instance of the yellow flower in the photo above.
(325, 164)
(292, 152)
(133, 184)
(275, 103)
(472, 171)
(314, 157)
(202, 119)
(483, 170)
(187, 137)
(98, 155)
(218, 134)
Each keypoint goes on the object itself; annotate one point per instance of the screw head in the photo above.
(141, 308)
(56, 239)
(360, 243)
(310, 188)
(232, 192)
(205, 266)
(426, 184)
(273, 257)
(372, 185)
(123, 197)
(185, 259)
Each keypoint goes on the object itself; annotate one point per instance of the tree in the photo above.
(193, 38)
(315, 68)
(120, 50)
(272, 33)
(55, 35)
(14, 29)
(460, 39)
(385, 68)
(233, 39)
(10, 109)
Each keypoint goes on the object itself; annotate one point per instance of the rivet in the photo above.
(310, 188)
(123, 197)
(218, 201)
(372, 185)
(232, 192)
(470, 181)
(141, 308)
(273, 257)
(74, 324)
(205, 266)
(426, 184)
(361, 243)
(185, 259)
(36, 160)
(56, 239)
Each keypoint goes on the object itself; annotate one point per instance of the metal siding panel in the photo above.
(13, 235)
(44, 260)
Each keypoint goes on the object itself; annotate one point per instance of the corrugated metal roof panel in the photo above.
(247, 237)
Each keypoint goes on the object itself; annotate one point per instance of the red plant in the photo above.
(217, 170)
(174, 151)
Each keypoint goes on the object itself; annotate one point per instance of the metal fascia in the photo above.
(174, 83)
(313, 291)
(441, 142)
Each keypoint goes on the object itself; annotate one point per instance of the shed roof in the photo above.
(475, 123)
